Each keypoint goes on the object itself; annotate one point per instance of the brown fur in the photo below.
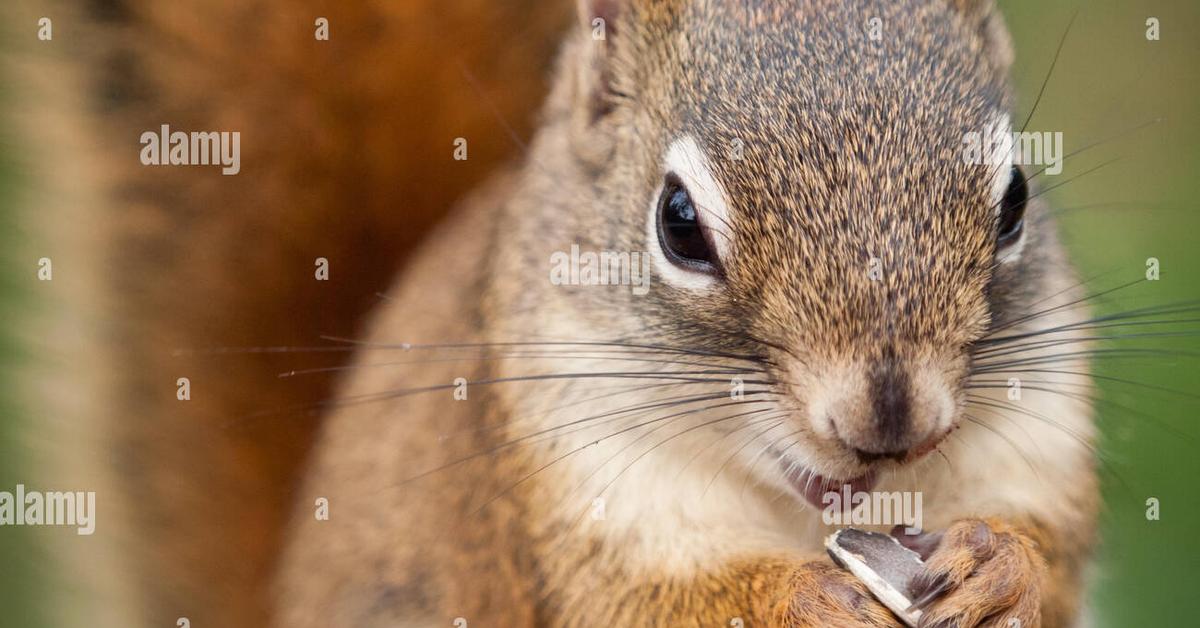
(346, 154)
(502, 539)
(849, 151)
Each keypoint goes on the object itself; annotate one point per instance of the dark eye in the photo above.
(1012, 209)
(680, 233)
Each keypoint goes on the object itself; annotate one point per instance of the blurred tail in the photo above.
(349, 115)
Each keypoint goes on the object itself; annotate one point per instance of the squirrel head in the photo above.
(795, 171)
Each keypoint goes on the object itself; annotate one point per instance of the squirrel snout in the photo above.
(887, 439)
(885, 411)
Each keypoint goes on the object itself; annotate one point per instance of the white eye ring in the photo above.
(1002, 138)
(686, 160)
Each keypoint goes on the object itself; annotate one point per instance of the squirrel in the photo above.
(832, 293)
(482, 508)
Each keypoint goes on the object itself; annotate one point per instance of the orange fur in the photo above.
(343, 159)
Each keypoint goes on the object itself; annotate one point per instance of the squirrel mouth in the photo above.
(814, 486)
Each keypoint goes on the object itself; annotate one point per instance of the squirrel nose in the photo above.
(891, 431)
(889, 387)
(888, 407)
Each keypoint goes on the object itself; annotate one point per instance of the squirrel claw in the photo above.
(930, 591)
(985, 572)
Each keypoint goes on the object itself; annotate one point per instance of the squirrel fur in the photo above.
(482, 509)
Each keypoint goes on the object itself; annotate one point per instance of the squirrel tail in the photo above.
(174, 287)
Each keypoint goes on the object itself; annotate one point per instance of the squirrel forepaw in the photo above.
(983, 573)
(825, 595)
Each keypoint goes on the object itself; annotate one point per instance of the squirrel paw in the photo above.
(825, 595)
(983, 573)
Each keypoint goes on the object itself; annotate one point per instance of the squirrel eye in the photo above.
(680, 233)
(1012, 209)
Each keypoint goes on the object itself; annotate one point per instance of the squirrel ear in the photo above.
(599, 24)
(592, 83)
(600, 16)
(989, 21)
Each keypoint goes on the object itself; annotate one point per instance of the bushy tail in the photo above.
(169, 282)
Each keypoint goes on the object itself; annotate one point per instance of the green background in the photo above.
(23, 587)
(1109, 78)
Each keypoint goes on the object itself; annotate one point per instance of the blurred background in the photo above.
(1110, 81)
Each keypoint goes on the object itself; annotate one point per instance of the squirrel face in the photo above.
(800, 185)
